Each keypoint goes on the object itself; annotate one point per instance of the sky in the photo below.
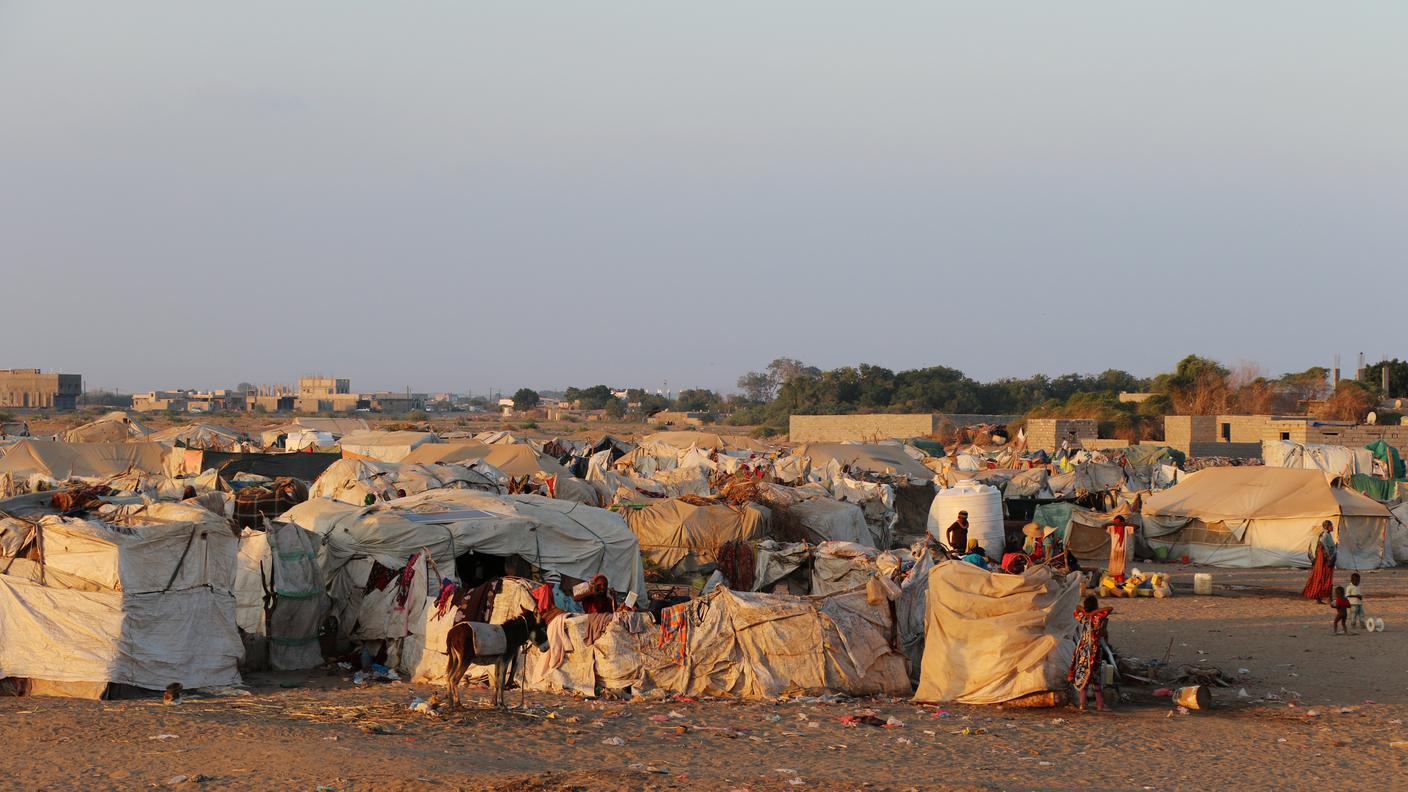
(473, 196)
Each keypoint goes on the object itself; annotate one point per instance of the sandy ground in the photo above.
(1338, 711)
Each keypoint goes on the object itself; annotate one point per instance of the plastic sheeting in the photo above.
(992, 638)
(675, 534)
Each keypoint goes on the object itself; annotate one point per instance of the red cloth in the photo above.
(1341, 602)
(542, 596)
(1321, 582)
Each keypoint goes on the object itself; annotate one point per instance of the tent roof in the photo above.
(1242, 493)
(337, 426)
(384, 438)
(872, 458)
(566, 537)
(60, 461)
(519, 460)
(112, 427)
(447, 452)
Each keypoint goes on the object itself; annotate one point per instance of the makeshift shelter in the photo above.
(384, 446)
(1083, 531)
(801, 568)
(115, 427)
(568, 538)
(866, 459)
(994, 637)
(206, 436)
(280, 595)
(727, 644)
(30, 462)
(140, 596)
(680, 536)
(352, 480)
(1333, 461)
(708, 441)
(519, 460)
(1260, 516)
(1390, 463)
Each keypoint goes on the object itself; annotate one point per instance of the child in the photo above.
(1341, 606)
(1356, 602)
(1089, 656)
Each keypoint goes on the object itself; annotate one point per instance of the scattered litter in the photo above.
(894, 723)
(1244, 671)
(903, 741)
(1312, 713)
(1243, 694)
(643, 768)
(164, 737)
(616, 741)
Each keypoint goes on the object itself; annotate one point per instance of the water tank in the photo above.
(984, 507)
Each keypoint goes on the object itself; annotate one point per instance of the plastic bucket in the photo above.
(1194, 697)
(1202, 584)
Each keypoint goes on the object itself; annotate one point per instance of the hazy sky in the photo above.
(469, 195)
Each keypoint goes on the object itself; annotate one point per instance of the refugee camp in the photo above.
(648, 396)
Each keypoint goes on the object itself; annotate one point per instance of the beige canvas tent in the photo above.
(352, 480)
(205, 436)
(991, 638)
(141, 596)
(44, 461)
(115, 427)
(680, 536)
(1260, 516)
(448, 452)
(708, 441)
(384, 446)
(519, 460)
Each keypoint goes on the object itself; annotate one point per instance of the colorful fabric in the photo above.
(1322, 577)
(403, 581)
(446, 596)
(735, 559)
(542, 597)
(1090, 639)
(674, 631)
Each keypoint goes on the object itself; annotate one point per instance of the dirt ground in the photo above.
(1320, 712)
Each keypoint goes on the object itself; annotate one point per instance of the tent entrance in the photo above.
(475, 568)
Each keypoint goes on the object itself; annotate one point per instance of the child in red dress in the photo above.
(1341, 606)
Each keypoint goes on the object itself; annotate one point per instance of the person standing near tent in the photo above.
(1121, 548)
(1086, 664)
(958, 534)
(1322, 570)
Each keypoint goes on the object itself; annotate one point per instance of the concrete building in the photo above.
(395, 403)
(38, 390)
(679, 418)
(1047, 434)
(1242, 435)
(327, 394)
(194, 401)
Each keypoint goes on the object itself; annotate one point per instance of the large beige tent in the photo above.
(519, 460)
(875, 459)
(141, 596)
(352, 480)
(681, 536)
(448, 452)
(205, 436)
(115, 427)
(50, 462)
(708, 441)
(993, 637)
(1260, 516)
(384, 446)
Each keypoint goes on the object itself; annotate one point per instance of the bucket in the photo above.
(1194, 697)
(1202, 584)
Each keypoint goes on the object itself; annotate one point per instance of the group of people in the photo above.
(1348, 602)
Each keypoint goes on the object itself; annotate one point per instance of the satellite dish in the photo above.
(1372, 418)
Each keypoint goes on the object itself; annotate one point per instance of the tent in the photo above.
(1388, 457)
(141, 596)
(1261, 516)
(993, 637)
(207, 436)
(873, 459)
(115, 427)
(282, 562)
(681, 536)
(384, 446)
(352, 480)
(51, 461)
(568, 538)
(449, 451)
(518, 460)
(1334, 461)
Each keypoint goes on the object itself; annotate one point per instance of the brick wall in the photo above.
(839, 428)
(1047, 433)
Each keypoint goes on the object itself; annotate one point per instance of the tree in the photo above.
(593, 398)
(1397, 376)
(526, 399)
(616, 408)
(697, 400)
(1313, 384)
(1351, 401)
(783, 370)
(245, 387)
(757, 386)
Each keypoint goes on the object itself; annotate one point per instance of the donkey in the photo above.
(499, 645)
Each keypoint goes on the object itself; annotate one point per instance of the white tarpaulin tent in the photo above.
(569, 538)
(993, 637)
(30, 461)
(352, 480)
(1263, 517)
(1332, 460)
(143, 597)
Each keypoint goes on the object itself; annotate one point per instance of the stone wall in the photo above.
(879, 426)
(1047, 433)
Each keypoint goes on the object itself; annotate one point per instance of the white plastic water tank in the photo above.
(984, 507)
